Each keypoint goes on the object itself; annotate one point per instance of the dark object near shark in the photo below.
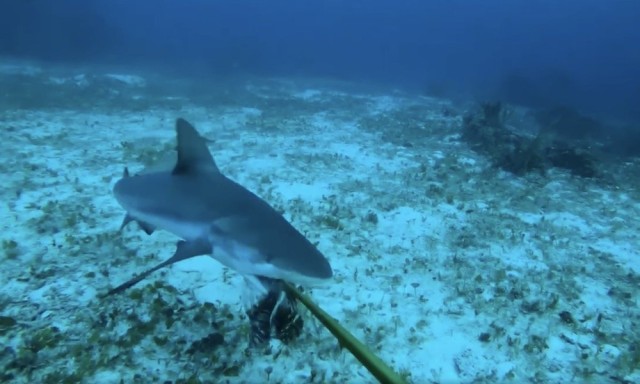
(135, 280)
(206, 344)
(275, 314)
(579, 162)
(487, 133)
(521, 153)
(568, 124)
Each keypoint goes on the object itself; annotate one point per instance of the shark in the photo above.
(214, 215)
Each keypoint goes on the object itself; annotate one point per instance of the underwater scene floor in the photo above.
(448, 268)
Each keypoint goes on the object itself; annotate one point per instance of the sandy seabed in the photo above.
(450, 269)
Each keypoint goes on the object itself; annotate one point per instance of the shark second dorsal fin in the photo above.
(193, 154)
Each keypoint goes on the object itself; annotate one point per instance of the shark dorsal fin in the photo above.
(193, 154)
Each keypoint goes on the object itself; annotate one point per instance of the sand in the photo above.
(450, 269)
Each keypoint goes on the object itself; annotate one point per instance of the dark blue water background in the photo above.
(584, 54)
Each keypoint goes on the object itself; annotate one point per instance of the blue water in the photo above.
(582, 54)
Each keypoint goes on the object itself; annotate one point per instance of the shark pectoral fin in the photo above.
(189, 249)
(130, 283)
(184, 250)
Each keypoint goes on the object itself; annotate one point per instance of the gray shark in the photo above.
(213, 215)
